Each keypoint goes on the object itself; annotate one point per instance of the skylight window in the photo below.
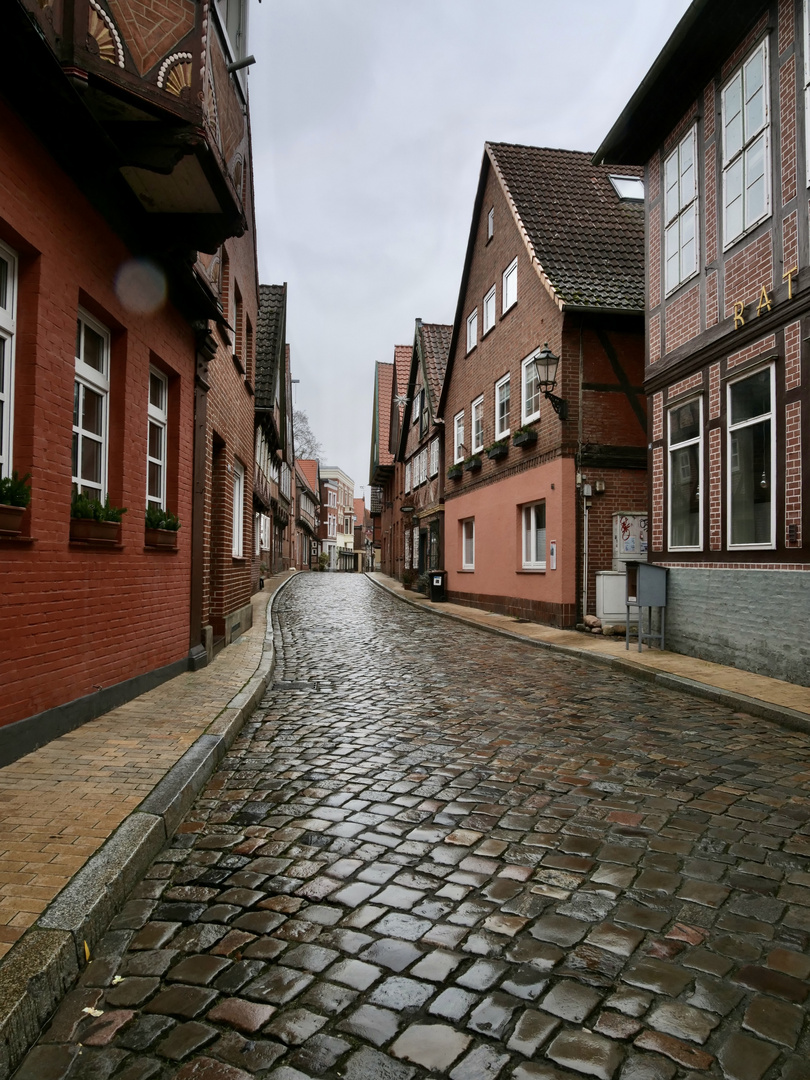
(628, 187)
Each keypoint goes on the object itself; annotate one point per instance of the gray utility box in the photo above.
(646, 588)
(438, 585)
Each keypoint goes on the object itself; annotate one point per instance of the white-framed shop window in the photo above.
(8, 336)
(472, 330)
(238, 533)
(91, 391)
(502, 395)
(477, 425)
(685, 501)
(489, 310)
(156, 440)
(746, 149)
(468, 544)
(509, 293)
(534, 536)
(681, 212)
(751, 460)
(530, 390)
(458, 437)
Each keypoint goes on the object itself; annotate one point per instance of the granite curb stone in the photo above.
(38, 971)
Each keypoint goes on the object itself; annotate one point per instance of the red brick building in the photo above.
(555, 256)
(120, 378)
(722, 126)
(420, 450)
(307, 513)
(386, 474)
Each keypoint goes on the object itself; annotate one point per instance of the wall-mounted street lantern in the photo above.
(545, 371)
(406, 509)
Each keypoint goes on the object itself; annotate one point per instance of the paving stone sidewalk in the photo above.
(60, 803)
(434, 852)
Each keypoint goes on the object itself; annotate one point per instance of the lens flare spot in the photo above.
(140, 285)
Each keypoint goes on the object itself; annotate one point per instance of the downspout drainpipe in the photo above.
(206, 348)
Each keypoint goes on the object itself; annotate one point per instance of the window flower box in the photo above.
(455, 472)
(161, 538)
(473, 463)
(11, 518)
(498, 450)
(525, 437)
(95, 531)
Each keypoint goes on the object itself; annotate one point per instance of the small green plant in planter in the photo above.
(472, 463)
(15, 495)
(525, 436)
(161, 527)
(455, 471)
(323, 560)
(408, 578)
(91, 519)
(498, 449)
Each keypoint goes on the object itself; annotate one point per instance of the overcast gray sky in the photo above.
(369, 121)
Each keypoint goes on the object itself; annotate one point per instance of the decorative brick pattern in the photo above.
(790, 240)
(655, 339)
(682, 319)
(714, 392)
(786, 25)
(685, 385)
(681, 127)
(748, 353)
(715, 489)
(747, 271)
(654, 177)
(153, 27)
(708, 111)
(712, 312)
(657, 530)
(787, 120)
(793, 356)
(710, 166)
(658, 416)
(654, 263)
(744, 46)
(793, 473)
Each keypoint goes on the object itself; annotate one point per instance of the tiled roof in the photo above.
(385, 381)
(308, 468)
(590, 243)
(435, 350)
(269, 339)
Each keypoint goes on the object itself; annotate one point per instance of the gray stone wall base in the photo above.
(756, 620)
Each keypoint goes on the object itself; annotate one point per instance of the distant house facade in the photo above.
(307, 513)
(555, 256)
(386, 473)
(727, 170)
(336, 532)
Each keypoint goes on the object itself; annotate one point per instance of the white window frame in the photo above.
(477, 418)
(434, 458)
(681, 213)
(8, 336)
(331, 498)
(157, 417)
(238, 497)
(509, 292)
(489, 311)
(88, 378)
(468, 544)
(501, 431)
(528, 375)
(407, 477)
(472, 330)
(331, 525)
(749, 140)
(731, 456)
(532, 558)
(491, 223)
(673, 450)
(458, 438)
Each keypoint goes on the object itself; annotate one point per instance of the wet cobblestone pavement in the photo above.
(437, 853)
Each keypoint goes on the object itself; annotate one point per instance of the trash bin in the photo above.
(438, 585)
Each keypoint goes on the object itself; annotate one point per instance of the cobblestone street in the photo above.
(436, 852)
